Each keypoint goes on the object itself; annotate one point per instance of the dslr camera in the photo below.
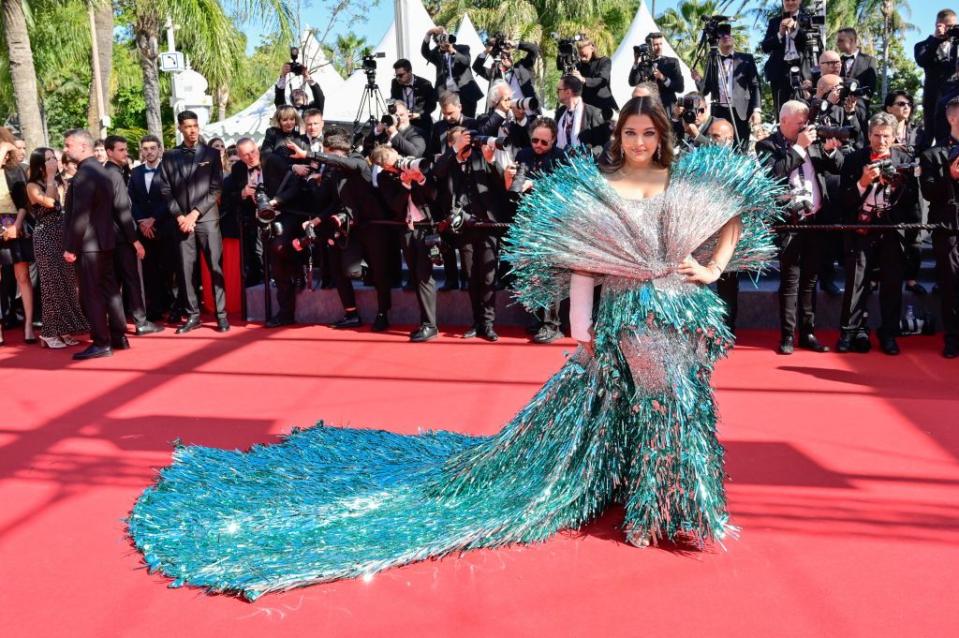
(691, 105)
(499, 44)
(644, 62)
(852, 88)
(389, 118)
(715, 27)
(334, 228)
(442, 39)
(296, 67)
(568, 54)
(479, 141)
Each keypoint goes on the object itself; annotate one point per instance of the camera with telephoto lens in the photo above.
(455, 221)
(433, 241)
(296, 68)
(808, 21)
(823, 123)
(893, 173)
(444, 38)
(332, 228)
(412, 163)
(528, 104)
(479, 141)
(644, 62)
(852, 89)
(389, 118)
(568, 55)
(265, 212)
(691, 106)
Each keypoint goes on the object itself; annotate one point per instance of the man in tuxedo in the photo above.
(667, 73)
(787, 45)
(872, 195)
(937, 57)
(157, 232)
(451, 114)
(129, 251)
(89, 241)
(518, 75)
(478, 188)
(939, 181)
(313, 129)
(271, 174)
(191, 181)
(346, 202)
(857, 66)
(453, 73)
(794, 153)
(400, 134)
(579, 123)
(733, 84)
(593, 72)
(416, 93)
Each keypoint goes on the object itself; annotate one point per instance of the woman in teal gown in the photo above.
(629, 418)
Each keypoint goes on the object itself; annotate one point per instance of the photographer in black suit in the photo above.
(593, 72)
(787, 45)
(408, 195)
(191, 181)
(451, 114)
(453, 73)
(346, 204)
(479, 191)
(579, 123)
(691, 121)
(497, 62)
(939, 180)
(416, 93)
(396, 130)
(157, 231)
(661, 69)
(860, 67)
(732, 83)
(299, 99)
(937, 57)
(878, 186)
(794, 153)
(129, 251)
(89, 241)
(272, 176)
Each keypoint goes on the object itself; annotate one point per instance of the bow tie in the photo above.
(189, 149)
(847, 58)
(726, 57)
(147, 169)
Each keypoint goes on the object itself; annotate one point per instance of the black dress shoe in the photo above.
(278, 321)
(917, 289)
(120, 343)
(381, 323)
(222, 324)
(844, 344)
(786, 346)
(349, 321)
(861, 343)
(471, 333)
(889, 345)
(810, 342)
(487, 333)
(93, 352)
(190, 324)
(424, 333)
(546, 335)
(950, 350)
(147, 328)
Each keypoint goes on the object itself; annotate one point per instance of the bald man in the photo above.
(721, 132)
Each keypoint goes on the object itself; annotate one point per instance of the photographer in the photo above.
(347, 203)
(787, 44)
(395, 129)
(650, 65)
(264, 189)
(416, 93)
(937, 57)
(496, 63)
(878, 186)
(733, 84)
(299, 99)
(593, 72)
(691, 121)
(939, 180)
(285, 127)
(407, 193)
(579, 123)
(451, 114)
(860, 67)
(833, 106)
(453, 73)
(794, 154)
(506, 119)
(478, 192)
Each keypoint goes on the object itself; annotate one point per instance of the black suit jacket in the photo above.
(674, 75)
(88, 224)
(937, 67)
(594, 129)
(469, 90)
(347, 185)
(906, 208)
(192, 181)
(318, 102)
(522, 70)
(775, 69)
(938, 187)
(279, 183)
(746, 96)
(424, 101)
(778, 153)
(122, 215)
(395, 196)
(144, 203)
(475, 185)
(437, 143)
(596, 74)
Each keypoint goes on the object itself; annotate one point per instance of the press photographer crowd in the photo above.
(92, 236)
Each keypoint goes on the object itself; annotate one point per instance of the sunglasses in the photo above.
(540, 142)
(909, 104)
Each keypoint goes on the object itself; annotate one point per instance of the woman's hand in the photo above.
(696, 273)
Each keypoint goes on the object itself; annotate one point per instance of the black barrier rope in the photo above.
(876, 228)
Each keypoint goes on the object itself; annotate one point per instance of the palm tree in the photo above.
(101, 17)
(346, 51)
(22, 73)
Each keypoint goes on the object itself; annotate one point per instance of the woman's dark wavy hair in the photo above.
(38, 165)
(612, 160)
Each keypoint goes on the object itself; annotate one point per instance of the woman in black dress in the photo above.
(16, 248)
(62, 315)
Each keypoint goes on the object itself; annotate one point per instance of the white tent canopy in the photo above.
(642, 25)
(255, 119)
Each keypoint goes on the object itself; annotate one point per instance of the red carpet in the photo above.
(844, 477)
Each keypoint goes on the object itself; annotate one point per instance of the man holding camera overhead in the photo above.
(787, 42)
(299, 98)
(858, 72)
(593, 72)
(878, 186)
(937, 57)
(496, 63)
(650, 65)
(453, 73)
